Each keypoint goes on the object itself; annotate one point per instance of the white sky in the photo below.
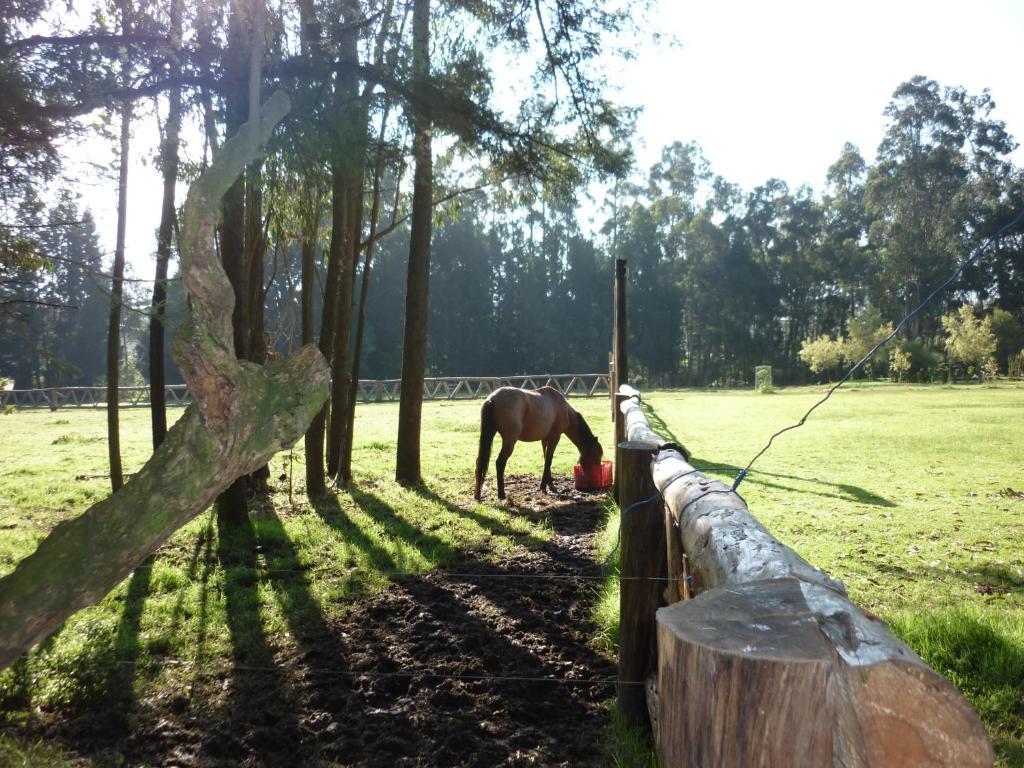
(776, 88)
(769, 89)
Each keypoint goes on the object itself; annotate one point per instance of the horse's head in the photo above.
(591, 451)
(591, 454)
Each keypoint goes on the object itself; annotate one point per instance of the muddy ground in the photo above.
(413, 674)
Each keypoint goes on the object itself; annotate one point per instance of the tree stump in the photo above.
(778, 673)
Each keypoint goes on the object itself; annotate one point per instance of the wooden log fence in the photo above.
(370, 391)
(769, 664)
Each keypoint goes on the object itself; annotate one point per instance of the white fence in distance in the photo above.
(370, 391)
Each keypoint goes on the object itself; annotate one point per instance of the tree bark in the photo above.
(255, 248)
(316, 481)
(232, 506)
(351, 161)
(169, 167)
(350, 411)
(414, 347)
(117, 283)
(314, 459)
(241, 416)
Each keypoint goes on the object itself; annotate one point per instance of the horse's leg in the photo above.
(549, 453)
(547, 464)
(499, 465)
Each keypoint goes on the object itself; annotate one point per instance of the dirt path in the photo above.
(418, 651)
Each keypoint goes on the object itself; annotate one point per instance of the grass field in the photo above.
(911, 495)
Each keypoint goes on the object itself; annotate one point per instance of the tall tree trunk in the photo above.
(414, 346)
(308, 248)
(255, 247)
(255, 239)
(364, 290)
(117, 286)
(352, 156)
(345, 468)
(169, 167)
(314, 459)
(316, 482)
(232, 505)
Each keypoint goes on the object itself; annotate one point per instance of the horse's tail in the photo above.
(488, 428)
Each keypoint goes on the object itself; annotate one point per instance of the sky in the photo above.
(768, 89)
(774, 89)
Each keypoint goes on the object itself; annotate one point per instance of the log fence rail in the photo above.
(769, 664)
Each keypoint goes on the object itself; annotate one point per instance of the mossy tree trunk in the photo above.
(242, 414)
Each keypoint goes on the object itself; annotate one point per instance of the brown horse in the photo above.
(523, 414)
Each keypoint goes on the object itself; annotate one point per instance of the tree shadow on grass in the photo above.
(844, 491)
(120, 693)
(326, 697)
(261, 720)
(993, 575)
(97, 682)
(488, 523)
(407, 676)
(403, 676)
(330, 511)
(433, 548)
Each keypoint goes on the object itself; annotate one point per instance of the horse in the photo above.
(522, 414)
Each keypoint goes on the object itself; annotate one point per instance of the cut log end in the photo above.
(755, 679)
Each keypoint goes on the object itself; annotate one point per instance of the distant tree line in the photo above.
(721, 279)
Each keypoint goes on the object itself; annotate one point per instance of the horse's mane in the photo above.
(586, 434)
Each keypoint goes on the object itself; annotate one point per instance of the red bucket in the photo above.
(593, 476)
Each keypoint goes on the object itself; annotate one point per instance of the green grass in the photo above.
(207, 602)
(901, 492)
(897, 490)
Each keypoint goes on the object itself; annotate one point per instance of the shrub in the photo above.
(925, 361)
(822, 354)
(899, 364)
(1016, 366)
(864, 331)
(969, 341)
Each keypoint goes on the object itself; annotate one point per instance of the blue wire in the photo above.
(618, 535)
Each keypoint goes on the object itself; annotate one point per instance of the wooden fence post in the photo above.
(620, 437)
(642, 568)
(621, 326)
(612, 389)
